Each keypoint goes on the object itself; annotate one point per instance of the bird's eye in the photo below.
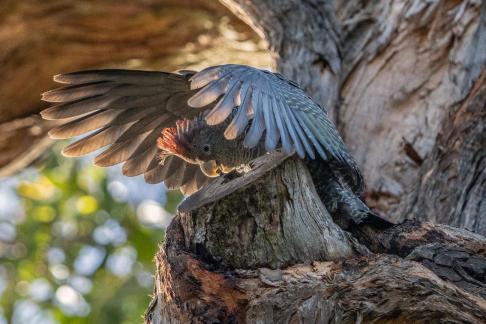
(206, 148)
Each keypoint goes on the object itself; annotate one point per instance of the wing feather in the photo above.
(303, 122)
(144, 125)
(78, 107)
(155, 172)
(209, 93)
(139, 163)
(194, 179)
(119, 76)
(225, 105)
(175, 180)
(272, 134)
(278, 114)
(101, 138)
(75, 92)
(295, 127)
(205, 76)
(134, 114)
(119, 151)
(239, 122)
(138, 101)
(84, 124)
(201, 179)
(258, 123)
(286, 117)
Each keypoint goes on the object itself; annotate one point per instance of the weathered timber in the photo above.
(381, 287)
(275, 221)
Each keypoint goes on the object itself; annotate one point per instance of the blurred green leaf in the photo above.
(67, 207)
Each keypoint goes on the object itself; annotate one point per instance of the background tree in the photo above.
(405, 83)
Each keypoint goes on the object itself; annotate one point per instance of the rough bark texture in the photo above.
(426, 59)
(453, 175)
(278, 220)
(422, 288)
(391, 73)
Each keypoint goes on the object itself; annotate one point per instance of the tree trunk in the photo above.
(277, 221)
(392, 74)
(404, 81)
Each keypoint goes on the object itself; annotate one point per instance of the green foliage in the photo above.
(79, 254)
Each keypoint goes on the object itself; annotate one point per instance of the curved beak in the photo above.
(210, 168)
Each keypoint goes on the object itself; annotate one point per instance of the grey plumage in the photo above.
(346, 208)
(129, 108)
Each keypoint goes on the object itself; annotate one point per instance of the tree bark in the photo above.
(423, 287)
(454, 177)
(403, 81)
(276, 221)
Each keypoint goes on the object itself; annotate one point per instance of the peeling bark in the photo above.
(454, 174)
(413, 70)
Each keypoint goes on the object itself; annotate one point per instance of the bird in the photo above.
(187, 127)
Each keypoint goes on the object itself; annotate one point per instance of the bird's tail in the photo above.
(375, 220)
(344, 205)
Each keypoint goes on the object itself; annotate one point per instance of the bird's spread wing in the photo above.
(127, 111)
(280, 111)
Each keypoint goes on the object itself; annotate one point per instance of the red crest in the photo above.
(178, 139)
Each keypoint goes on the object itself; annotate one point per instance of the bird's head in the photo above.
(192, 140)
